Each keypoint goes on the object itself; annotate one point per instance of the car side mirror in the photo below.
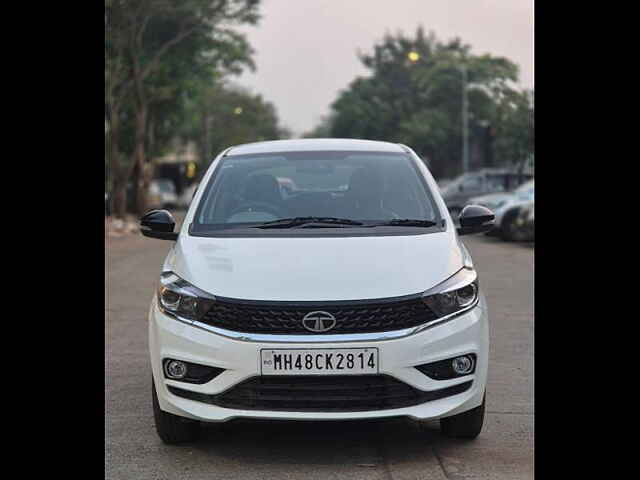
(158, 224)
(475, 219)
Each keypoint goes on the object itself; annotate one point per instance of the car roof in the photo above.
(316, 144)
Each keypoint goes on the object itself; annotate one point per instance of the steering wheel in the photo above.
(258, 207)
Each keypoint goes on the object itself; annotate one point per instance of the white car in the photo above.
(163, 192)
(329, 304)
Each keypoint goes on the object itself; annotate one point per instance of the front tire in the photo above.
(510, 231)
(173, 429)
(464, 425)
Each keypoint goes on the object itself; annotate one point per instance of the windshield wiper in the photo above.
(405, 222)
(302, 221)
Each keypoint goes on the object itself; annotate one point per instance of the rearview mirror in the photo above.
(158, 224)
(475, 219)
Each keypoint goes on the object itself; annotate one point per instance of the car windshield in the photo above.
(328, 186)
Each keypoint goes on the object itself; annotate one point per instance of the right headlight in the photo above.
(179, 298)
(458, 293)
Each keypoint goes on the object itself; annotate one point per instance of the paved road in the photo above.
(389, 449)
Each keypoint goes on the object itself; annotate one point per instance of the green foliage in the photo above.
(414, 96)
(322, 130)
(159, 52)
(159, 55)
(224, 115)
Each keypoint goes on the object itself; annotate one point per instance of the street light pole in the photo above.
(465, 122)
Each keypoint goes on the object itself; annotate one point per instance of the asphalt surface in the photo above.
(381, 449)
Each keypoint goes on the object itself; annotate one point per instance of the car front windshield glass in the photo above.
(367, 187)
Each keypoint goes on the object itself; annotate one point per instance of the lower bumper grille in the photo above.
(321, 394)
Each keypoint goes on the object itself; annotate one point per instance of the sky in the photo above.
(306, 50)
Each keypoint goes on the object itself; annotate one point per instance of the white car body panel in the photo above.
(315, 145)
(301, 269)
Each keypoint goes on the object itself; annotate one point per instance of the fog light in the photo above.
(175, 369)
(462, 365)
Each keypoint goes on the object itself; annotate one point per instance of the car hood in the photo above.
(316, 268)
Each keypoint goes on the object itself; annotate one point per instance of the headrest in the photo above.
(262, 188)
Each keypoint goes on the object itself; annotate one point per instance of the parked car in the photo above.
(507, 212)
(184, 200)
(162, 194)
(489, 180)
(525, 222)
(305, 307)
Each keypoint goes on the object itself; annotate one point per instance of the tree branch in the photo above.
(164, 48)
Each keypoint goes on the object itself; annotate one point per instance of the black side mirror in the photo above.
(158, 224)
(475, 219)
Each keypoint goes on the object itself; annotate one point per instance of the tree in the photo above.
(322, 130)
(151, 47)
(224, 115)
(514, 133)
(414, 96)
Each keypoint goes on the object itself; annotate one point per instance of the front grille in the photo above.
(339, 393)
(286, 317)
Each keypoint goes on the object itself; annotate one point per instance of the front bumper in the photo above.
(467, 333)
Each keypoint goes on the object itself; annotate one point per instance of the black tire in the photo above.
(173, 429)
(464, 425)
(510, 232)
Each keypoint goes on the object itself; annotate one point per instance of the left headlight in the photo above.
(458, 293)
(178, 297)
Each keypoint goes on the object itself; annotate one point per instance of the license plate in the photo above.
(317, 361)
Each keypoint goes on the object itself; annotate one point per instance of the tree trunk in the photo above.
(119, 186)
(119, 195)
(140, 187)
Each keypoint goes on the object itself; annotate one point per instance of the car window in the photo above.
(362, 186)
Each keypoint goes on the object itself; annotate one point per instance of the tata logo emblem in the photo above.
(318, 322)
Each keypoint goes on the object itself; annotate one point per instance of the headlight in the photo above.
(456, 294)
(178, 297)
